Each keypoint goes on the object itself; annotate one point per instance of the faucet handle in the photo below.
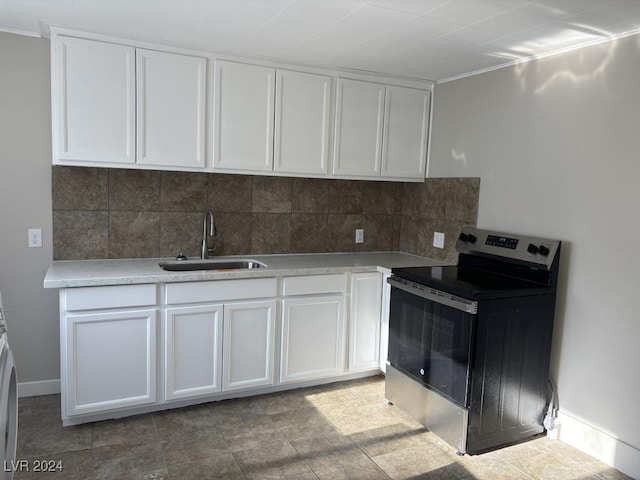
(181, 257)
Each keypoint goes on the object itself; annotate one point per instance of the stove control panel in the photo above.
(533, 250)
(503, 242)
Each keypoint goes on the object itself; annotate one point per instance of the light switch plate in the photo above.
(359, 235)
(438, 239)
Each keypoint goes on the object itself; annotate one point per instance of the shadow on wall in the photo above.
(120, 213)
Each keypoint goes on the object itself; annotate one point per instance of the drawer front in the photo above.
(220, 290)
(112, 296)
(314, 284)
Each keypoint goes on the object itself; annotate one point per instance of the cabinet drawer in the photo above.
(220, 290)
(112, 296)
(314, 284)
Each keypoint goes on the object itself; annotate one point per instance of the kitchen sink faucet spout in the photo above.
(206, 233)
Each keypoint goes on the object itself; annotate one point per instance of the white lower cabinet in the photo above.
(120, 356)
(364, 321)
(248, 344)
(312, 337)
(193, 351)
(109, 361)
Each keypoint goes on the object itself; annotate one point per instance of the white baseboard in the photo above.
(43, 387)
(599, 444)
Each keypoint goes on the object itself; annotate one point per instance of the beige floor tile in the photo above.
(337, 431)
(366, 470)
(411, 463)
(279, 456)
(133, 430)
(303, 422)
(215, 467)
(391, 438)
(328, 451)
(129, 462)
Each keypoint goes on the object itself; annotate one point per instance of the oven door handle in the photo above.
(434, 295)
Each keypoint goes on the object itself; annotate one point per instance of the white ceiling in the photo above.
(429, 39)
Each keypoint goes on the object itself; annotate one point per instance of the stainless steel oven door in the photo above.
(430, 336)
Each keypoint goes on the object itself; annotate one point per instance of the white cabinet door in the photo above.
(364, 321)
(248, 344)
(312, 338)
(357, 148)
(109, 361)
(93, 101)
(406, 129)
(193, 351)
(303, 121)
(171, 109)
(243, 116)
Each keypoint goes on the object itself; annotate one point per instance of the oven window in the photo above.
(431, 343)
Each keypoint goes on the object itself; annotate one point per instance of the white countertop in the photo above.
(86, 273)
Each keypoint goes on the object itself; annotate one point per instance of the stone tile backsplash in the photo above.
(121, 213)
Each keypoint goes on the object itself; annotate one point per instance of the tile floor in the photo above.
(340, 431)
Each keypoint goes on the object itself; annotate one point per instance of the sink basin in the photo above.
(194, 265)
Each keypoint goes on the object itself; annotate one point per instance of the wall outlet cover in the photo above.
(34, 238)
(438, 239)
(359, 235)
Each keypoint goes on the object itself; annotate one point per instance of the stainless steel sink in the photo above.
(194, 265)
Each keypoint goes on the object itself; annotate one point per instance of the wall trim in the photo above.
(42, 387)
(599, 444)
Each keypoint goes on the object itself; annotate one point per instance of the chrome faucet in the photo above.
(206, 233)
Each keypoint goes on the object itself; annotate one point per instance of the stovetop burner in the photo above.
(469, 283)
(493, 265)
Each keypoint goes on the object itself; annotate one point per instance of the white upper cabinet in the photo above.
(93, 101)
(357, 148)
(171, 105)
(138, 106)
(406, 129)
(244, 97)
(302, 122)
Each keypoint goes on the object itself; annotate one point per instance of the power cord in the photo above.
(549, 419)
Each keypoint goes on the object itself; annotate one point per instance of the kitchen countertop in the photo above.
(86, 273)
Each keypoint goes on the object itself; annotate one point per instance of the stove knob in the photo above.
(542, 250)
(463, 237)
(472, 238)
(532, 249)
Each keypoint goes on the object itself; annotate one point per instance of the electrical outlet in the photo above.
(438, 239)
(359, 235)
(35, 238)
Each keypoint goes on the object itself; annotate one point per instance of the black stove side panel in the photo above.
(510, 372)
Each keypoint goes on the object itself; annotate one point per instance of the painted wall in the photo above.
(556, 143)
(25, 202)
